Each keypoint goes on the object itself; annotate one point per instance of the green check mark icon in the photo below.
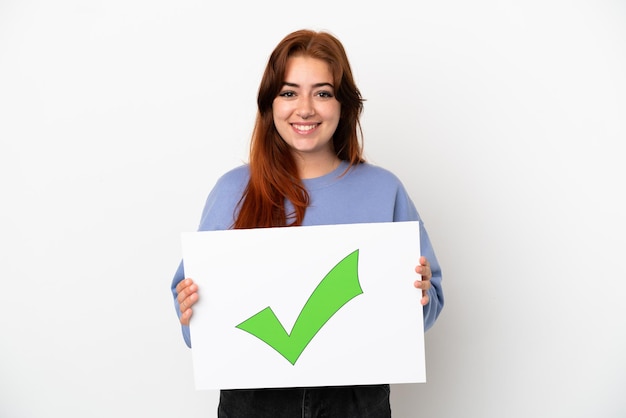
(337, 288)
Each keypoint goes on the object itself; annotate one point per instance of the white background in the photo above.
(505, 120)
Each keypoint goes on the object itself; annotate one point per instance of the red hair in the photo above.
(273, 171)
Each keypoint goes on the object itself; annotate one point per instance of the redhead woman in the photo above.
(306, 167)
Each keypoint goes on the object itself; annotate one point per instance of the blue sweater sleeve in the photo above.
(178, 277)
(405, 211)
(435, 293)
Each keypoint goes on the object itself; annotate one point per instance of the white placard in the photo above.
(362, 323)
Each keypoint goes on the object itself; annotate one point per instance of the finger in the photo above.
(424, 285)
(183, 284)
(185, 317)
(188, 302)
(424, 271)
(181, 297)
(186, 291)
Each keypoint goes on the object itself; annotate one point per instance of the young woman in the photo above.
(306, 168)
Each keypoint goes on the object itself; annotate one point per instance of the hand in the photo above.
(424, 270)
(187, 292)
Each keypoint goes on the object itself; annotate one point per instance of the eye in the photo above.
(325, 94)
(287, 94)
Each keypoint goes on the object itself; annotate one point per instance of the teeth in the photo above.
(304, 127)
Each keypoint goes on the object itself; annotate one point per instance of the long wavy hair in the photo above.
(273, 171)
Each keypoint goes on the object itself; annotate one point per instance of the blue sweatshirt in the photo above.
(365, 194)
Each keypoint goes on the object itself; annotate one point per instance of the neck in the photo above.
(309, 168)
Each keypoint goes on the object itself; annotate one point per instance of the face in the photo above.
(306, 112)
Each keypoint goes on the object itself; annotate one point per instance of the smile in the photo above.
(304, 128)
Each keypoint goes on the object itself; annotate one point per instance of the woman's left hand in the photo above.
(424, 283)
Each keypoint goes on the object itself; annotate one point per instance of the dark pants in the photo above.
(331, 402)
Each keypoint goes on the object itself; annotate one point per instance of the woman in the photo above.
(306, 167)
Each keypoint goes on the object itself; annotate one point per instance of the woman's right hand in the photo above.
(187, 292)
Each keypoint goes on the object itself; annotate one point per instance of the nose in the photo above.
(305, 108)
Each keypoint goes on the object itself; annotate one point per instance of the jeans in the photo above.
(371, 401)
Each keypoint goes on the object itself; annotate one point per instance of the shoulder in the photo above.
(236, 174)
(374, 173)
(234, 179)
(221, 204)
(379, 181)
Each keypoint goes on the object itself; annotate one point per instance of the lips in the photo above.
(304, 129)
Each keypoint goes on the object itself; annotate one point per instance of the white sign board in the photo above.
(306, 306)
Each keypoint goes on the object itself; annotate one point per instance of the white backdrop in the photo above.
(506, 122)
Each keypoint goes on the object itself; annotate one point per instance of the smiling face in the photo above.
(306, 112)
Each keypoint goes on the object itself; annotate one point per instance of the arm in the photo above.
(430, 283)
(185, 293)
(217, 214)
(428, 267)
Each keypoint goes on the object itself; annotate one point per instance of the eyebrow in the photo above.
(317, 85)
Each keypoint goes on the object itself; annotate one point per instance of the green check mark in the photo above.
(337, 288)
